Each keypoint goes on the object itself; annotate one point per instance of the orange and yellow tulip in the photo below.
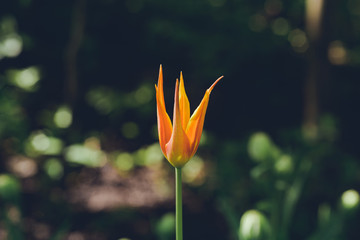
(179, 140)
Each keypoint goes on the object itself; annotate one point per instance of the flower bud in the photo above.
(254, 226)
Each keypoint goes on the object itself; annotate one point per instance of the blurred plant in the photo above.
(165, 227)
(254, 225)
(25, 79)
(282, 177)
(10, 211)
(331, 221)
(290, 186)
(11, 43)
(180, 140)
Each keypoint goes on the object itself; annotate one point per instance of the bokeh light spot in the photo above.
(11, 43)
(22, 166)
(124, 161)
(63, 117)
(144, 94)
(298, 40)
(153, 154)
(25, 78)
(350, 199)
(165, 227)
(54, 168)
(254, 225)
(11, 46)
(260, 147)
(83, 155)
(284, 164)
(40, 142)
(130, 130)
(102, 99)
(13, 214)
(280, 26)
(56, 146)
(149, 156)
(9, 186)
(337, 53)
(193, 171)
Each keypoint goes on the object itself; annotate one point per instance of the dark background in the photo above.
(281, 133)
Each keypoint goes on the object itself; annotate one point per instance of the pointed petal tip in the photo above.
(213, 85)
(177, 90)
(181, 78)
(160, 71)
(160, 78)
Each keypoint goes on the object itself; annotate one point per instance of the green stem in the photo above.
(178, 206)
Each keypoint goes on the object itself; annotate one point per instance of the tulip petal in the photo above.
(164, 122)
(178, 147)
(184, 103)
(196, 122)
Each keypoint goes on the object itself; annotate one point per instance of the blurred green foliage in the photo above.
(9, 187)
(254, 225)
(78, 135)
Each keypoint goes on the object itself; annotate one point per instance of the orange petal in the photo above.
(184, 104)
(163, 119)
(196, 122)
(178, 147)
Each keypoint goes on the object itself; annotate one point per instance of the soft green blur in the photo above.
(279, 157)
(253, 226)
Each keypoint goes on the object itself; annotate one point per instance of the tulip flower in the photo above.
(180, 139)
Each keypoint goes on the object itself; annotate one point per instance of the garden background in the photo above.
(79, 157)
